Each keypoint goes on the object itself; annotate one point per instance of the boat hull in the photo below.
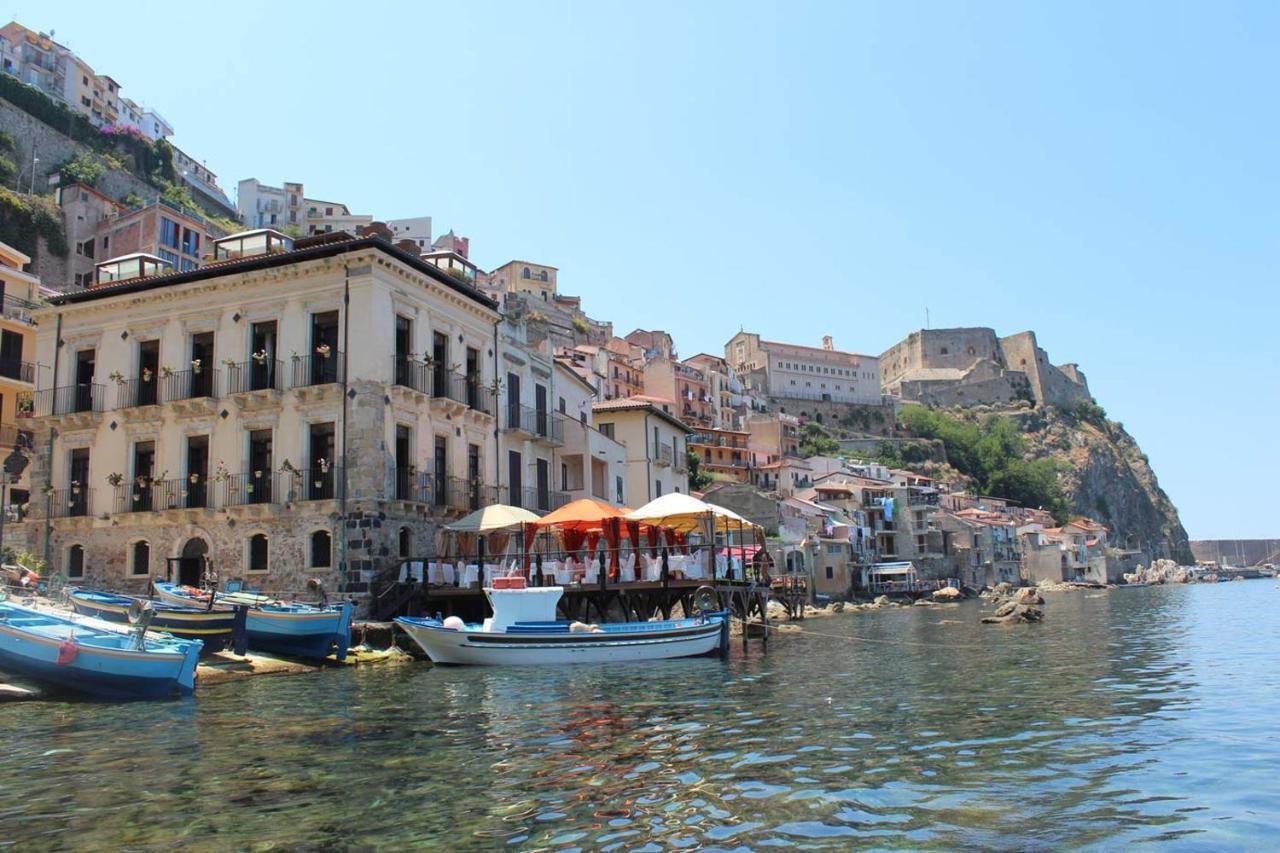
(690, 638)
(310, 633)
(215, 629)
(107, 673)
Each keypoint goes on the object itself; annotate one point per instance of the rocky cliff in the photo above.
(1106, 476)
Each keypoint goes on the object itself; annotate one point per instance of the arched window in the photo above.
(140, 558)
(406, 542)
(525, 273)
(543, 275)
(257, 561)
(321, 550)
(75, 561)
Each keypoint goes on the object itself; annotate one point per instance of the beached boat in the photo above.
(216, 629)
(85, 659)
(524, 631)
(283, 627)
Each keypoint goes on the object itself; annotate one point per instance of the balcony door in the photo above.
(11, 356)
(262, 348)
(197, 485)
(440, 370)
(78, 485)
(513, 400)
(514, 477)
(441, 461)
(544, 485)
(540, 408)
(148, 373)
(260, 466)
(404, 347)
(473, 475)
(404, 463)
(144, 461)
(324, 347)
(201, 384)
(473, 378)
(86, 365)
(319, 483)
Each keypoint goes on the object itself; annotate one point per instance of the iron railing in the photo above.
(412, 374)
(17, 308)
(159, 495)
(137, 392)
(248, 488)
(663, 454)
(316, 370)
(463, 495)
(21, 371)
(255, 375)
(538, 500)
(413, 485)
(541, 423)
(468, 391)
(190, 384)
(315, 484)
(71, 502)
(69, 399)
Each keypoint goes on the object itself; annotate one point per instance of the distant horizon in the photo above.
(1102, 176)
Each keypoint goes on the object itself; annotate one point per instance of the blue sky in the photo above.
(1104, 174)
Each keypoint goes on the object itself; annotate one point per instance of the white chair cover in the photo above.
(470, 574)
(628, 569)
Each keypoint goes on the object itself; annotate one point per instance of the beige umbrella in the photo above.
(687, 514)
(491, 519)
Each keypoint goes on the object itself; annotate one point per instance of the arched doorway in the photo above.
(192, 560)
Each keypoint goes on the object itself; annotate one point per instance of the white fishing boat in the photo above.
(524, 631)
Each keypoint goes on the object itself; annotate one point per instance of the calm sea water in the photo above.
(1137, 715)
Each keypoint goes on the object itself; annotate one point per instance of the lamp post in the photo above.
(34, 160)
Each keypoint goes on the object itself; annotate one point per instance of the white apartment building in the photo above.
(221, 413)
(416, 228)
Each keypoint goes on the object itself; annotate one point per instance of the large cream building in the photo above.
(290, 411)
(793, 371)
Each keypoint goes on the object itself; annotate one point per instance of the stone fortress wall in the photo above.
(967, 366)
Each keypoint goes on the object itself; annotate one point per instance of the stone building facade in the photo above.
(222, 413)
(966, 366)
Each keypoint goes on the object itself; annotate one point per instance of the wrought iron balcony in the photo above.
(463, 495)
(69, 399)
(317, 370)
(71, 502)
(20, 371)
(314, 484)
(542, 424)
(249, 488)
(190, 384)
(413, 485)
(12, 436)
(412, 374)
(255, 375)
(160, 495)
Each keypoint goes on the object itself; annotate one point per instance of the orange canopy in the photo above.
(582, 514)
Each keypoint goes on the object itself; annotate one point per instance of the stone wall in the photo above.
(955, 348)
(866, 419)
(1050, 385)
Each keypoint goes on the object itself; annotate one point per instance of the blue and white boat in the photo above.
(90, 660)
(282, 627)
(216, 629)
(524, 631)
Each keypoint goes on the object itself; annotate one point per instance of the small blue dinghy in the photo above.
(105, 664)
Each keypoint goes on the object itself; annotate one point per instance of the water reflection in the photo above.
(1115, 720)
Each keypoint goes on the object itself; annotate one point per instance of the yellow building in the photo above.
(19, 293)
(723, 453)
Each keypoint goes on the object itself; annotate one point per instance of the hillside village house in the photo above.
(221, 413)
(19, 292)
(655, 442)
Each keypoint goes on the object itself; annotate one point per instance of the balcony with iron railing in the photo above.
(18, 371)
(160, 495)
(663, 454)
(254, 375)
(71, 502)
(539, 423)
(17, 308)
(317, 369)
(190, 384)
(459, 494)
(409, 373)
(413, 485)
(540, 500)
(68, 400)
(321, 483)
(248, 488)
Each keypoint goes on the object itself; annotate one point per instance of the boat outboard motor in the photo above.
(140, 615)
(315, 585)
(706, 600)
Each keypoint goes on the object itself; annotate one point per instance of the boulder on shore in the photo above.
(947, 593)
(1028, 595)
(1011, 612)
(882, 601)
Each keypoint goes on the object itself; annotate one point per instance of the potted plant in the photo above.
(196, 365)
(166, 371)
(194, 477)
(221, 474)
(323, 351)
(286, 467)
(115, 479)
(147, 374)
(117, 377)
(260, 356)
(230, 363)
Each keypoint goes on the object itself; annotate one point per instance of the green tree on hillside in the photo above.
(814, 441)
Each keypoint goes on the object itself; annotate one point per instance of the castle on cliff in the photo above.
(961, 367)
